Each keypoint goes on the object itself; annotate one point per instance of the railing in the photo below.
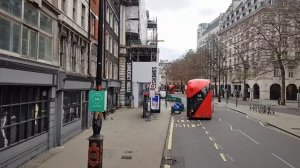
(262, 108)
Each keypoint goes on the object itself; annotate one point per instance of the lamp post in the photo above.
(95, 151)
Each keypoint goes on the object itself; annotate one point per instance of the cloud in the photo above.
(169, 54)
(167, 5)
(206, 12)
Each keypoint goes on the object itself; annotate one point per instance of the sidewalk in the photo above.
(286, 122)
(126, 134)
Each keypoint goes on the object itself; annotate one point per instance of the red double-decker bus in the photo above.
(199, 99)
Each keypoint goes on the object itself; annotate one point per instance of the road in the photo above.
(230, 140)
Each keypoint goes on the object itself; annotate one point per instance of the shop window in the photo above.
(72, 101)
(23, 113)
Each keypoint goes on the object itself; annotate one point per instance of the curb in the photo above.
(284, 130)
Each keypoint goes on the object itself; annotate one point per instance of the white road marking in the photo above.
(183, 125)
(193, 125)
(283, 160)
(203, 127)
(216, 145)
(178, 121)
(206, 132)
(171, 134)
(261, 124)
(210, 139)
(187, 120)
(223, 157)
(247, 117)
(187, 125)
(182, 121)
(230, 158)
(167, 166)
(198, 125)
(241, 133)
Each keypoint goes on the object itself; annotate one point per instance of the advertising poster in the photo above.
(155, 102)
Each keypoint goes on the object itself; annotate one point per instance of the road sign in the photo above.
(97, 101)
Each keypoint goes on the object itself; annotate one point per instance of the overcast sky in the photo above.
(178, 21)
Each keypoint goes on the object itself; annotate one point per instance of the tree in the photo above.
(274, 31)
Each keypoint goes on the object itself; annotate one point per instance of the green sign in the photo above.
(97, 101)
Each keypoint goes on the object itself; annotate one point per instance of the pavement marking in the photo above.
(261, 124)
(283, 160)
(171, 134)
(247, 117)
(198, 125)
(206, 132)
(183, 125)
(187, 125)
(187, 120)
(223, 157)
(210, 139)
(178, 121)
(177, 125)
(230, 158)
(203, 127)
(216, 145)
(193, 125)
(240, 132)
(182, 121)
(167, 166)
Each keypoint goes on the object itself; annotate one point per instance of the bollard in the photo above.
(95, 152)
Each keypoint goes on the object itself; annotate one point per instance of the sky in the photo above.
(178, 21)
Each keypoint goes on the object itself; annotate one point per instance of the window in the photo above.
(62, 53)
(284, 55)
(284, 41)
(45, 48)
(63, 5)
(297, 55)
(291, 73)
(107, 14)
(10, 35)
(74, 10)
(13, 7)
(116, 72)
(73, 57)
(276, 73)
(106, 69)
(71, 106)
(110, 44)
(297, 42)
(111, 23)
(29, 43)
(46, 23)
(31, 15)
(93, 25)
(110, 71)
(23, 113)
(107, 41)
(82, 53)
(83, 16)
(116, 27)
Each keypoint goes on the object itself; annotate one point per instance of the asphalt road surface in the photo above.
(230, 139)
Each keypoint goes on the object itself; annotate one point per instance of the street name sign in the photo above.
(97, 101)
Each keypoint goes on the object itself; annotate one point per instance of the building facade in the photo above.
(29, 68)
(241, 54)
